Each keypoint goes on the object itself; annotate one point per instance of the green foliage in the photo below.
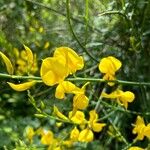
(103, 28)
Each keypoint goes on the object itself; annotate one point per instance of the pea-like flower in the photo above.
(123, 98)
(70, 59)
(80, 100)
(93, 124)
(109, 65)
(141, 129)
(53, 71)
(65, 87)
(64, 62)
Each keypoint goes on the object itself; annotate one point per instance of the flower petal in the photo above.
(8, 63)
(22, 86)
(52, 71)
(70, 58)
(74, 134)
(66, 87)
(86, 135)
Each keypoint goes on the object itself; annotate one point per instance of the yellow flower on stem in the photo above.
(26, 61)
(53, 71)
(69, 58)
(123, 98)
(86, 135)
(109, 65)
(80, 100)
(65, 87)
(93, 124)
(77, 117)
(141, 129)
(74, 134)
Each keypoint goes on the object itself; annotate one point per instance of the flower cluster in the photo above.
(141, 129)
(109, 66)
(26, 61)
(54, 72)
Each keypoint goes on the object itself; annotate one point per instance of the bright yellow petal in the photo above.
(59, 114)
(74, 134)
(47, 138)
(80, 101)
(52, 71)
(147, 131)
(116, 63)
(135, 148)
(29, 55)
(140, 121)
(8, 63)
(112, 95)
(77, 118)
(97, 127)
(65, 87)
(127, 96)
(86, 135)
(72, 61)
(93, 116)
(104, 65)
(109, 65)
(22, 86)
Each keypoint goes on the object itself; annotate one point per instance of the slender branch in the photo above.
(62, 14)
(73, 33)
(7, 76)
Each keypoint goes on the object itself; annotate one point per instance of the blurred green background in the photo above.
(120, 28)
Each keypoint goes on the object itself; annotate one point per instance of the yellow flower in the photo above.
(109, 66)
(26, 61)
(65, 87)
(29, 133)
(135, 148)
(74, 134)
(80, 101)
(86, 135)
(78, 117)
(53, 71)
(96, 127)
(122, 97)
(47, 138)
(141, 129)
(69, 58)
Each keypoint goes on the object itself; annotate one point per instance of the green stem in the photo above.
(73, 33)
(97, 107)
(62, 14)
(7, 76)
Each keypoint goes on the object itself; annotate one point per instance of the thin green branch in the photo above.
(7, 76)
(73, 33)
(62, 14)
